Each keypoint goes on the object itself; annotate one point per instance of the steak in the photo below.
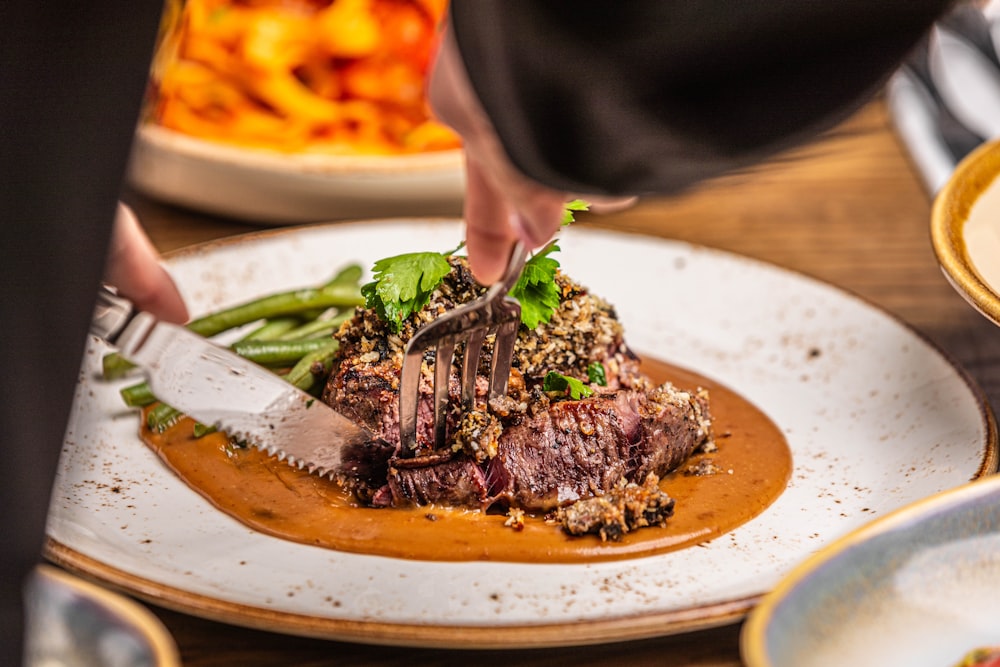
(578, 449)
(531, 450)
(454, 481)
(627, 507)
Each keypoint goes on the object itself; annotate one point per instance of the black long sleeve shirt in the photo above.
(650, 96)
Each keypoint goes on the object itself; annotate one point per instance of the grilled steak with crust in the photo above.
(530, 450)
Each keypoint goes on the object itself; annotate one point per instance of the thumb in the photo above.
(133, 267)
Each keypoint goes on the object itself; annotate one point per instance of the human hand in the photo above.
(502, 205)
(133, 267)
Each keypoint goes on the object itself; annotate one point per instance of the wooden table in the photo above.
(847, 209)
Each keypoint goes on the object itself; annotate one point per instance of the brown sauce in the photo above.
(753, 461)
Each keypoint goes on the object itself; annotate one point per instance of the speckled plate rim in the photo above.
(500, 635)
(951, 209)
(579, 633)
(753, 636)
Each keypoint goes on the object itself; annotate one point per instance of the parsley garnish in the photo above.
(536, 289)
(403, 284)
(595, 373)
(571, 208)
(571, 386)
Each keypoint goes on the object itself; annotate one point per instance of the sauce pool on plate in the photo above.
(748, 472)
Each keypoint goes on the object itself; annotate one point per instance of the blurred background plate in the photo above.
(919, 587)
(74, 623)
(270, 187)
(276, 113)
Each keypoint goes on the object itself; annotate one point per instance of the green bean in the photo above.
(114, 366)
(162, 417)
(277, 352)
(275, 305)
(313, 314)
(201, 430)
(317, 327)
(138, 395)
(313, 365)
(295, 332)
(349, 275)
(274, 328)
(340, 291)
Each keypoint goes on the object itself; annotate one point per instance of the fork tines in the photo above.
(469, 325)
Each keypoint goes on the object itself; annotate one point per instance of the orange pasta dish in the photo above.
(318, 76)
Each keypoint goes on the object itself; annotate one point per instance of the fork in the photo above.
(494, 312)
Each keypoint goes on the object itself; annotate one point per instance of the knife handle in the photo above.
(117, 322)
(112, 314)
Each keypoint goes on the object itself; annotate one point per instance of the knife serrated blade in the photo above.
(219, 388)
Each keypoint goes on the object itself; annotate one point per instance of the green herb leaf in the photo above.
(596, 375)
(571, 386)
(403, 284)
(536, 288)
(571, 208)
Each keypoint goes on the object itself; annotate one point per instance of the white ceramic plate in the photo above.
(920, 588)
(279, 188)
(876, 418)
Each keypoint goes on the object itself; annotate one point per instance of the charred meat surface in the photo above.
(532, 450)
(627, 507)
(577, 449)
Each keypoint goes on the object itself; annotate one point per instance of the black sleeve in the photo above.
(649, 96)
(71, 84)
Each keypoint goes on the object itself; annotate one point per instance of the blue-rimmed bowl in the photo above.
(920, 586)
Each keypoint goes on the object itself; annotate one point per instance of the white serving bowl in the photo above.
(270, 187)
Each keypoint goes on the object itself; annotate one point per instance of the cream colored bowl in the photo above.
(269, 187)
(965, 229)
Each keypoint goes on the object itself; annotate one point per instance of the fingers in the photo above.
(501, 204)
(540, 213)
(489, 234)
(610, 204)
(133, 267)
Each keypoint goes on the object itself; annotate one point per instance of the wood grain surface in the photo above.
(847, 209)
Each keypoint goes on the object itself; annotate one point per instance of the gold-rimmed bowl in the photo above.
(965, 229)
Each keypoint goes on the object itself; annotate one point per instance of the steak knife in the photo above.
(219, 388)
